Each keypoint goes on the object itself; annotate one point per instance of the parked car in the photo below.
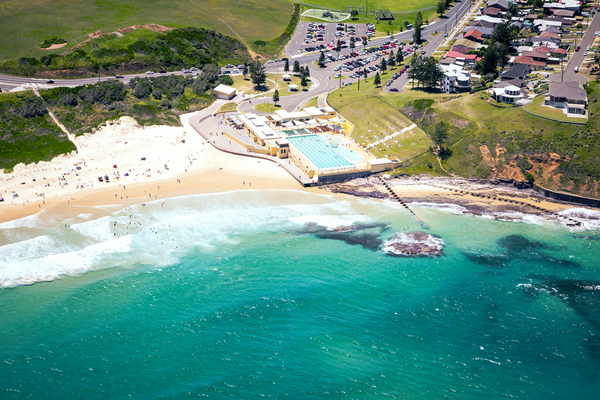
(119, 76)
(49, 81)
(393, 89)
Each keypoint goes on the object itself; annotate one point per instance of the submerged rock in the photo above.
(363, 234)
(413, 243)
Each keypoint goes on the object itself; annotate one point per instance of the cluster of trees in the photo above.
(174, 49)
(150, 100)
(426, 71)
(496, 53)
(28, 135)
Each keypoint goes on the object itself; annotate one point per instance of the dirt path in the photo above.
(57, 122)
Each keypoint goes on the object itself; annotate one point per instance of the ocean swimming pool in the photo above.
(322, 154)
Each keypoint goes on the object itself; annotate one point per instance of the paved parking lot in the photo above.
(297, 44)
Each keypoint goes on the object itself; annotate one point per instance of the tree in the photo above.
(338, 47)
(399, 57)
(352, 44)
(245, 71)
(276, 96)
(441, 7)
(303, 82)
(306, 71)
(502, 33)
(377, 80)
(322, 60)
(383, 65)
(440, 134)
(392, 59)
(286, 67)
(354, 14)
(258, 74)
(432, 73)
(489, 62)
(364, 42)
(418, 26)
(296, 69)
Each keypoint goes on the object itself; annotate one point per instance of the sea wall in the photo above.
(571, 198)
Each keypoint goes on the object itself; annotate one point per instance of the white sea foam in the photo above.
(329, 221)
(451, 208)
(26, 272)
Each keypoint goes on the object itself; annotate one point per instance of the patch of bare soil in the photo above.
(54, 46)
(152, 27)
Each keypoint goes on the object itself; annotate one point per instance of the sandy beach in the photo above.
(159, 162)
(142, 163)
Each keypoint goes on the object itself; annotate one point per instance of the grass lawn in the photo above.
(311, 102)
(282, 86)
(267, 107)
(231, 106)
(369, 113)
(536, 107)
(25, 24)
(392, 5)
(246, 86)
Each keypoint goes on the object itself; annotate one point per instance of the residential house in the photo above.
(568, 96)
(485, 32)
(519, 71)
(456, 79)
(491, 11)
(508, 94)
(501, 4)
(474, 36)
(483, 23)
(536, 55)
(528, 61)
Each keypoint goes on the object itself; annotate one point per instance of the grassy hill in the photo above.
(25, 24)
(485, 141)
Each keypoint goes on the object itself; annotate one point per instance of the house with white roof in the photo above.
(456, 79)
(224, 92)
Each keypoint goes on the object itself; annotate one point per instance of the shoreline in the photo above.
(160, 162)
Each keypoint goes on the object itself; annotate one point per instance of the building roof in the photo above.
(535, 54)
(559, 51)
(568, 90)
(528, 61)
(224, 89)
(515, 71)
(487, 18)
(501, 4)
(553, 29)
(547, 34)
(473, 35)
(564, 13)
(258, 125)
(511, 82)
(491, 11)
(455, 54)
(459, 48)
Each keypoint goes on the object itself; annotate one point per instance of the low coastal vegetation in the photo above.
(150, 101)
(27, 133)
(136, 51)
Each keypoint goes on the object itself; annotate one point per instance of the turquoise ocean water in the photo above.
(230, 296)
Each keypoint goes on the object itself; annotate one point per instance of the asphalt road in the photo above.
(577, 59)
(320, 76)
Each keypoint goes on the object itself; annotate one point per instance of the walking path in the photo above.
(377, 142)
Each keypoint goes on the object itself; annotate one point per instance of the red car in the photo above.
(577, 48)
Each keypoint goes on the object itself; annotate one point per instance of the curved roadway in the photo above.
(320, 76)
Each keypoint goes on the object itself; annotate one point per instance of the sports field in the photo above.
(25, 24)
(392, 5)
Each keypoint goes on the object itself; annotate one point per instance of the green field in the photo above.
(25, 24)
(392, 5)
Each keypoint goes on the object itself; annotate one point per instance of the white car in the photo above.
(149, 72)
(597, 33)
(585, 54)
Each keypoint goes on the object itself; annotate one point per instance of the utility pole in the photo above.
(340, 74)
